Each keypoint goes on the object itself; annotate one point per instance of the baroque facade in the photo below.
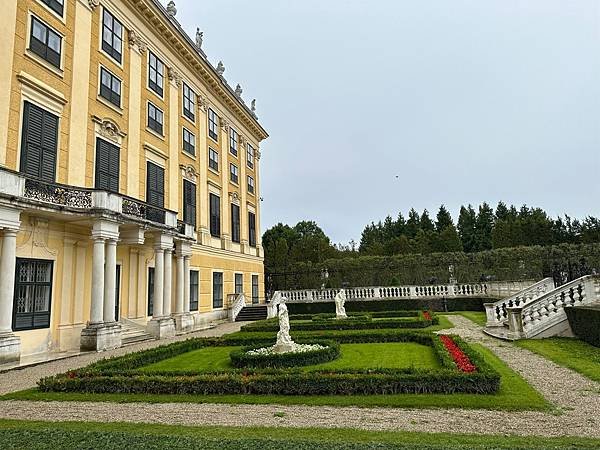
(129, 178)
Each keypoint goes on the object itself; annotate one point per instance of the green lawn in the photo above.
(514, 395)
(572, 353)
(353, 356)
(71, 435)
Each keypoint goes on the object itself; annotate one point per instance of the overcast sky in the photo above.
(463, 100)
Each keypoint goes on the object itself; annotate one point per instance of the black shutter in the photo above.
(189, 202)
(39, 143)
(235, 223)
(215, 215)
(155, 185)
(252, 229)
(107, 166)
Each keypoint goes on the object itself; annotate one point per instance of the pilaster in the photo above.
(174, 146)
(8, 24)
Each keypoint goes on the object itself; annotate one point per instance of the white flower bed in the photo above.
(296, 348)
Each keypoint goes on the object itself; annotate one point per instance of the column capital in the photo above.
(163, 241)
(105, 229)
(183, 248)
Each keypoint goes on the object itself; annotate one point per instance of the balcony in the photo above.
(29, 193)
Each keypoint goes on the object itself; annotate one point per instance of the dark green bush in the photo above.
(371, 306)
(585, 323)
(241, 358)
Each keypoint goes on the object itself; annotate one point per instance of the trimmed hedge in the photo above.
(241, 358)
(118, 375)
(585, 323)
(436, 304)
(417, 320)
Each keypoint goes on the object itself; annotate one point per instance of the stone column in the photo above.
(183, 319)
(102, 332)
(159, 276)
(96, 313)
(110, 280)
(10, 345)
(162, 325)
(225, 200)
(168, 284)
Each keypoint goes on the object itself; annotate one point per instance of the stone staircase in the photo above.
(132, 333)
(252, 313)
(540, 310)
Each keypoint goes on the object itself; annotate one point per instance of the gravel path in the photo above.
(577, 400)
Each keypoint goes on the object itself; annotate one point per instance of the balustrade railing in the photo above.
(497, 314)
(57, 194)
(548, 310)
(236, 302)
(142, 210)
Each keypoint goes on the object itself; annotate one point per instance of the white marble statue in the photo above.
(340, 300)
(199, 38)
(284, 341)
(221, 68)
(238, 90)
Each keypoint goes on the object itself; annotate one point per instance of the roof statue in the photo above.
(199, 38)
(220, 68)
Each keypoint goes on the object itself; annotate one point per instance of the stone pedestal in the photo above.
(184, 322)
(283, 348)
(10, 348)
(161, 327)
(100, 337)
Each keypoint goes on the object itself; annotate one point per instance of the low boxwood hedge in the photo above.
(122, 375)
(242, 359)
(358, 323)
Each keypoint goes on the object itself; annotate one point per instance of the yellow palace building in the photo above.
(129, 178)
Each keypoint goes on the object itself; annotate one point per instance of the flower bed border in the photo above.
(242, 359)
(123, 375)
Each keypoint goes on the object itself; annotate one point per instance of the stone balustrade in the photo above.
(466, 290)
(236, 302)
(496, 313)
(546, 316)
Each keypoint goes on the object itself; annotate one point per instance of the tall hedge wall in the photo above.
(585, 323)
(511, 264)
(437, 304)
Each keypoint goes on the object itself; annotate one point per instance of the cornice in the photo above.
(167, 27)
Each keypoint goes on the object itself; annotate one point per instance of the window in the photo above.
(45, 42)
(235, 223)
(217, 290)
(39, 143)
(155, 118)
(150, 291)
(55, 5)
(215, 215)
(194, 289)
(189, 202)
(233, 173)
(110, 87)
(252, 229)
(250, 184)
(107, 166)
(213, 125)
(239, 283)
(33, 294)
(254, 289)
(233, 142)
(112, 36)
(250, 156)
(189, 142)
(213, 159)
(156, 74)
(189, 103)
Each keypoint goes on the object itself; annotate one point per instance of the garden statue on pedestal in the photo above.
(340, 300)
(284, 341)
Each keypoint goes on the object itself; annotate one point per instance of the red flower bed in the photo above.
(426, 315)
(462, 361)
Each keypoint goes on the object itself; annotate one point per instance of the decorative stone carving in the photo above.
(253, 109)
(136, 42)
(224, 123)
(94, 3)
(220, 68)
(284, 340)
(189, 172)
(175, 77)
(108, 129)
(258, 154)
(203, 103)
(171, 9)
(238, 90)
(340, 300)
(234, 196)
(243, 141)
(199, 38)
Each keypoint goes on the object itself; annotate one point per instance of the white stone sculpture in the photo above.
(340, 300)
(238, 90)
(253, 108)
(284, 341)
(171, 9)
(221, 68)
(199, 38)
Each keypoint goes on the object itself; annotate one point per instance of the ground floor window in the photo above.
(254, 289)
(217, 290)
(150, 291)
(194, 285)
(33, 294)
(239, 283)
